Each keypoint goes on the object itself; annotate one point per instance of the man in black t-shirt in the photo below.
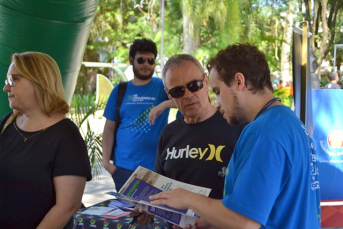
(196, 147)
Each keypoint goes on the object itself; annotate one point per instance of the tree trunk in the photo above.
(86, 82)
(191, 31)
(326, 18)
(324, 42)
(314, 25)
(286, 45)
(187, 41)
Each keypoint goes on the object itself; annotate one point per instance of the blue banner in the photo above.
(327, 107)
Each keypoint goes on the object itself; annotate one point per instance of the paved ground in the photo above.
(95, 190)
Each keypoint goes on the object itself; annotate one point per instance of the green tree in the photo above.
(285, 64)
(82, 108)
(198, 27)
(322, 19)
(198, 13)
(116, 24)
(262, 26)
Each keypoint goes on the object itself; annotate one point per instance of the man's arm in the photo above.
(107, 145)
(157, 110)
(211, 210)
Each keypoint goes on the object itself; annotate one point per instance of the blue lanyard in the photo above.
(266, 106)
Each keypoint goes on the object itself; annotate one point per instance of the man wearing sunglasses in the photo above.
(196, 147)
(272, 177)
(136, 139)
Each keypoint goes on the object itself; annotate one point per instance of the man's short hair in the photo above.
(143, 46)
(177, 60)
(333, 75)
(246, 59)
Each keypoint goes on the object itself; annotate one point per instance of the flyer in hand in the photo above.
(144, 183)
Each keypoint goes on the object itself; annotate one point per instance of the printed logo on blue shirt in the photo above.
(141, 123)
(313, 156)
(135, 99)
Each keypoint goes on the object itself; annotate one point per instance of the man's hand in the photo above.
(142, 217)
(199, 224)
(108, 138)
(202, 224)
(159, 109)
(177, 198)
(154, 112)
(109, 167)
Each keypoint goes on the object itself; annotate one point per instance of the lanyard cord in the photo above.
(266, 106)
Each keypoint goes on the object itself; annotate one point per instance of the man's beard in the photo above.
(236, 118)
(140, 76)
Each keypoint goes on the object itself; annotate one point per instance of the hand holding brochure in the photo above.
(144, 183)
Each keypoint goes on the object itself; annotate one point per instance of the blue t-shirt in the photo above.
(136, 138)
(273, 176)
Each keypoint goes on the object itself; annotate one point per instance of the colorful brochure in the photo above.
(144, 183)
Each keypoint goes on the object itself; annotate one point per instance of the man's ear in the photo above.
(131, 60)
(206, 83)
(165, 89)
(239, 81)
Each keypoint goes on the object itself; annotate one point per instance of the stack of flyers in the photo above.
(97, 210)
(115, 214)
(119, 203)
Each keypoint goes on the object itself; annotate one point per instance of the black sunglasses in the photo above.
(192, 86)
(141, 60)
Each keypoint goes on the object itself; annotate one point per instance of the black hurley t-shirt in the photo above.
(198, 153)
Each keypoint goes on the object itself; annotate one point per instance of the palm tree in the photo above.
(198, 12)
(82, 108)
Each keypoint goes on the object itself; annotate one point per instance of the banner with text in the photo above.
(327, 107)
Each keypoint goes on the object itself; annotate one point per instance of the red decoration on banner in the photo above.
(332, 216)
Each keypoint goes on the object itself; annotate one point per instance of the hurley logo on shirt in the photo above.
(187, 152)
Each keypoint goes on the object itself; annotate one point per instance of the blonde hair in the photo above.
(45, 75)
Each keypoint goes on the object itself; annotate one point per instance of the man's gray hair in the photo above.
(333, 75)
(177, 60)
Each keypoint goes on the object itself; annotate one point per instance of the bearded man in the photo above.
(272, 177)
(136, 139)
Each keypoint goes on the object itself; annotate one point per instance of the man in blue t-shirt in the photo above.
(272, 177)
(136, 139)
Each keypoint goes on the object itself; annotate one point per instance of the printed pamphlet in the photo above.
(144, 183)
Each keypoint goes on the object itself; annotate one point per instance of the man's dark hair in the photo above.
(246, 59)
(143, 46)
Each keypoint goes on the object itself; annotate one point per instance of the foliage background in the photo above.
(203, 27)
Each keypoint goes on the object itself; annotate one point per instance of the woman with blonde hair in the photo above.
(44, 163)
